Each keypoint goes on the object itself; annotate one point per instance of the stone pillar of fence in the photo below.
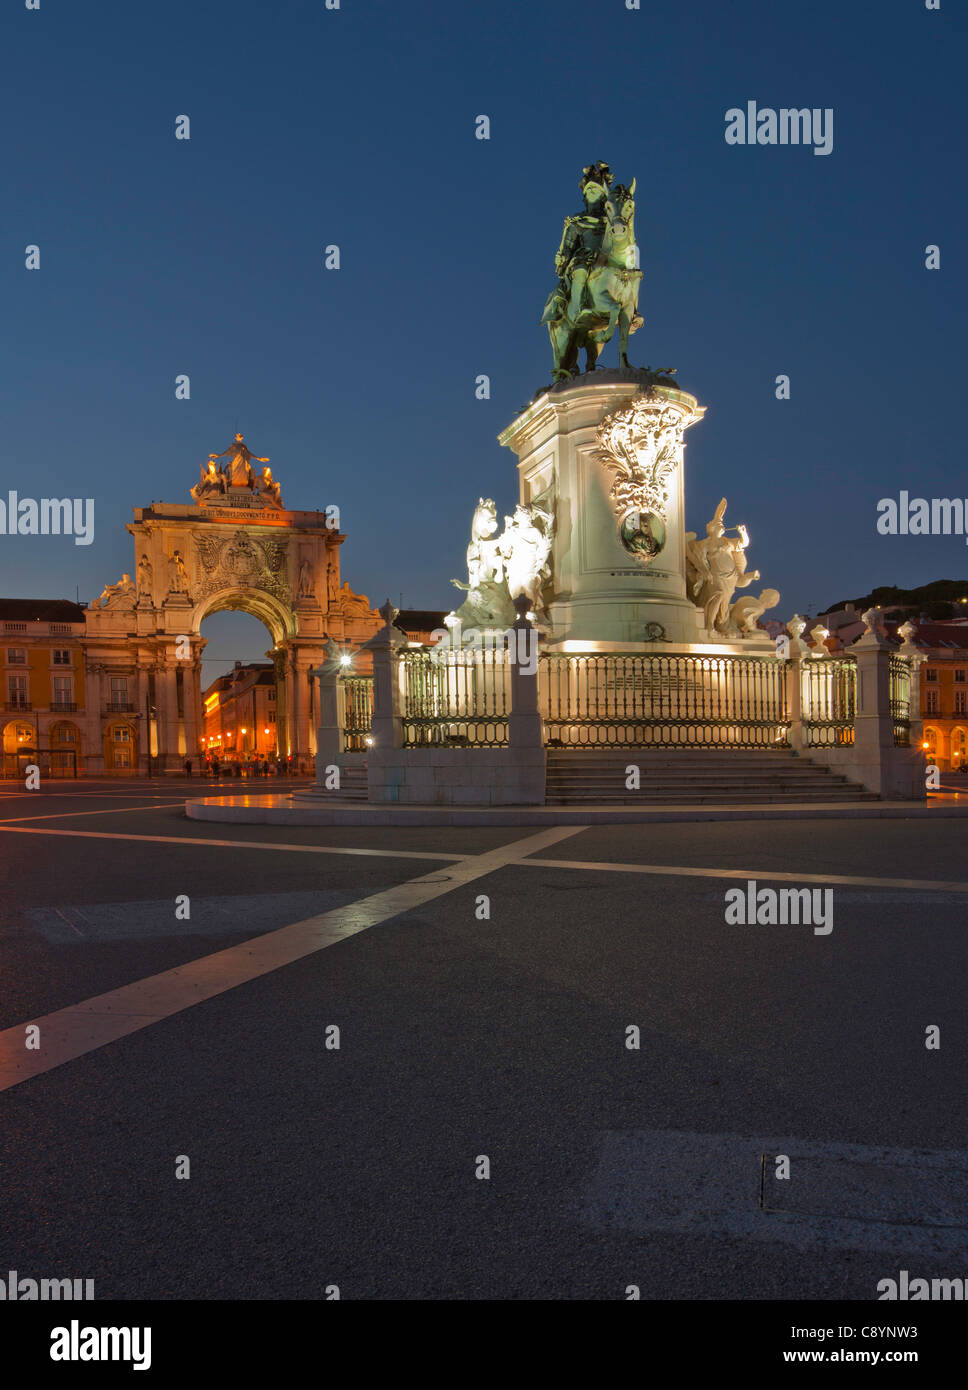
(798, 653)
(915, 659)
(524, 721)
(385, 728)
(329, 728)
(895, 772)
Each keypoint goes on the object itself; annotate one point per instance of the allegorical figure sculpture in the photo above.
(746, 612)
(487, 603)
(120, 595)
(177, 574)
(525, 548)
(238, 470)
(212, 480)
(269, 488)
(144, 577)
(715, 569)
(305, 583)
(499, 570)
(598, 275)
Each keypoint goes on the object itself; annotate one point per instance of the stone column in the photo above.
(525, 725)
(385, 730)
(143, 721)
(167, 696)
(287, 740)
(92, 748)
(329, 739)
(300, 709)
(524, 721)
(798, 651)
(193, 731)
(893, 772)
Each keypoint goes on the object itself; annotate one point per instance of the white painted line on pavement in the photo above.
(74, 1031)
(70, 815)
(760, 875)
(244, 844)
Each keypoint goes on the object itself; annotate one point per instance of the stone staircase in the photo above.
(352, 784)
(691, 777)
(352, 788)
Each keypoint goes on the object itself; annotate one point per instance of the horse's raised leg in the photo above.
(623, 342)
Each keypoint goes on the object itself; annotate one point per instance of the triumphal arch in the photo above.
(234, 545)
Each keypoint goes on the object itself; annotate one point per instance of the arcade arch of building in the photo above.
(235, 546)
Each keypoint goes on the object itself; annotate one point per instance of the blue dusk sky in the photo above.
(356, 127)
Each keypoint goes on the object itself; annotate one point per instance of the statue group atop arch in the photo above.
(217, 479)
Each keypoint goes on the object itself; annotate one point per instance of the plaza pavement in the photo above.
(463, 1038)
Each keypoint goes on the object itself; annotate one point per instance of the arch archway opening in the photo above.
(243, 731)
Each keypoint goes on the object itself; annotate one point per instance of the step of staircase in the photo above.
(693, 777)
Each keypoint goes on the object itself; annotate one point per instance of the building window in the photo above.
(122, 756)
(960, 677)
(62, 656)
(63, 733)
(272, 694)
(63, 690)
(121, 734)
(961, 702)
(17, 689)
(931, 673)
(16, 656)
(932, 702)
(119, 693)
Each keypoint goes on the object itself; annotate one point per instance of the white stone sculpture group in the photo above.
(715, 569)
(500, 569)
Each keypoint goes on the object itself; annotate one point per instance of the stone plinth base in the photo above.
(457, 776)
(895, 774)
(595, 452)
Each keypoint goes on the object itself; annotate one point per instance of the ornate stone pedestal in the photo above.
(606, 451)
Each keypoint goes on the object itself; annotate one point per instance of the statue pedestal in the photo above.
(604, 589)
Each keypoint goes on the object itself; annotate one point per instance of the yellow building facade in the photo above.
(944, 693)
(44, 692)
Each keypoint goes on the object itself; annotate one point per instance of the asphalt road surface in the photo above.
(483, 1128)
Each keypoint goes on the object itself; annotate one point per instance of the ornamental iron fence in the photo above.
(593, 700)
(828, 701)
(455, 698)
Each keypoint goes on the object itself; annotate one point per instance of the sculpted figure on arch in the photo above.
(239, 470)
(212, 480)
